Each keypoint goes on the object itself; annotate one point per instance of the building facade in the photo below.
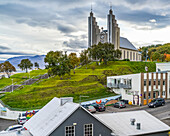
(141, 88)
(111, 35)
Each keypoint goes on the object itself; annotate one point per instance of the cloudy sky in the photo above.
(34, 27)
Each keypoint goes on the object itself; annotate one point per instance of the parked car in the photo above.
(157, 102)
(12, 128)
(21, 120)
(120, 104)
(91, 109)
(99, 107)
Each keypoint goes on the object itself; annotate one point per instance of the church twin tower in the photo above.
(111, 35)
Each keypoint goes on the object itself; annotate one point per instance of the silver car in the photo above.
(91, 109)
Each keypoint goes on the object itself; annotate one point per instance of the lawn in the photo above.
(88, 80)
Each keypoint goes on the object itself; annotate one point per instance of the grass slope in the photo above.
(20, 77)
(87, 81)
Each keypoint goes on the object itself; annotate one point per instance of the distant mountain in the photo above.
(38, 58)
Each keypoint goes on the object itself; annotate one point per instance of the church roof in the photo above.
(125, 43)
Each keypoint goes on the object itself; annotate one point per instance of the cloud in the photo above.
(75, 44)
(4, 48)
(15, 53)
(152, 20)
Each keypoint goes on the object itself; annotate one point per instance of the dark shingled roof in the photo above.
(125, 43)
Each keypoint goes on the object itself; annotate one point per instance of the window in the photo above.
(164, 82)
(159, 82)
(136, 56)
(154, 95)
(70, 131)
(124, 54)
(127, 54)
(144, 82)
(149, 82)
(88, 130)
(130, 55)
(133, 56)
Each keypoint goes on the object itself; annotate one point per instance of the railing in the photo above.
(120, 85)
(110, 85)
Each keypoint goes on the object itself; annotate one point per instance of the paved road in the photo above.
(6, 123)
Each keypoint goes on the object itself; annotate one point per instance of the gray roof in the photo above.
(120, 122)
(50, 117)
(125, 43)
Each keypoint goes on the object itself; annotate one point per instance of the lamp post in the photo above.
(12, 85)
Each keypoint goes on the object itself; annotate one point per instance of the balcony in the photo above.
(110, 85)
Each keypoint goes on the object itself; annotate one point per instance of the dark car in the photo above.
(99, 107)
(120, 105)
(157, 102)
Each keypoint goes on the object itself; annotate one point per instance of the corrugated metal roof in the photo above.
(125, 43)
(120, 122)
(50, 117)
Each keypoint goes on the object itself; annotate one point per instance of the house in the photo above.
(62, 117)
(135, 123)
(141, 88)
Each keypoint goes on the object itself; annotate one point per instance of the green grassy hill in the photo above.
(89, 80)
(20, 77)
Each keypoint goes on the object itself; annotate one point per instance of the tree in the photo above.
(155, 56)
(36, 65)
(58, 63)
(25, 65)
(84, 59)
(74, 60)
(104, 52)
(7, 67)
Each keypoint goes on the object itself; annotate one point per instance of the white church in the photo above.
(111, 35)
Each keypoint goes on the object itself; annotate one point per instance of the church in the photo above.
(111, 35)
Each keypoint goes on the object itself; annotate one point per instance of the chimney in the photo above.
(138, 126)
(65, 100)
(132, 121)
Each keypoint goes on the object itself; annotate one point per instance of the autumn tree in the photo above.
(7, 67)
(25, 64)
(74, 60)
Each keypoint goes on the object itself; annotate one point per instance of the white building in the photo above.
(111, 35)
(141, 88)
(121, 123)
(162, 66)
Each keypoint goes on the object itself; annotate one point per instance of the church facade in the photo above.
(111, 35)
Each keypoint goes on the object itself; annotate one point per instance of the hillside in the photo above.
(20, 77)
(89, 80)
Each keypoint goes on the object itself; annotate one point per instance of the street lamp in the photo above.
(12, 85)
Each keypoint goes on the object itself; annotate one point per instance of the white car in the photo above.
(12, 128)
(21, 120)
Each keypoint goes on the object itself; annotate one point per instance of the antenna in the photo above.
(91, 7)
(110, 5)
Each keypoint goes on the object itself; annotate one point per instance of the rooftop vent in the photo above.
(138, 126)
(65, 100)
(132, 121)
